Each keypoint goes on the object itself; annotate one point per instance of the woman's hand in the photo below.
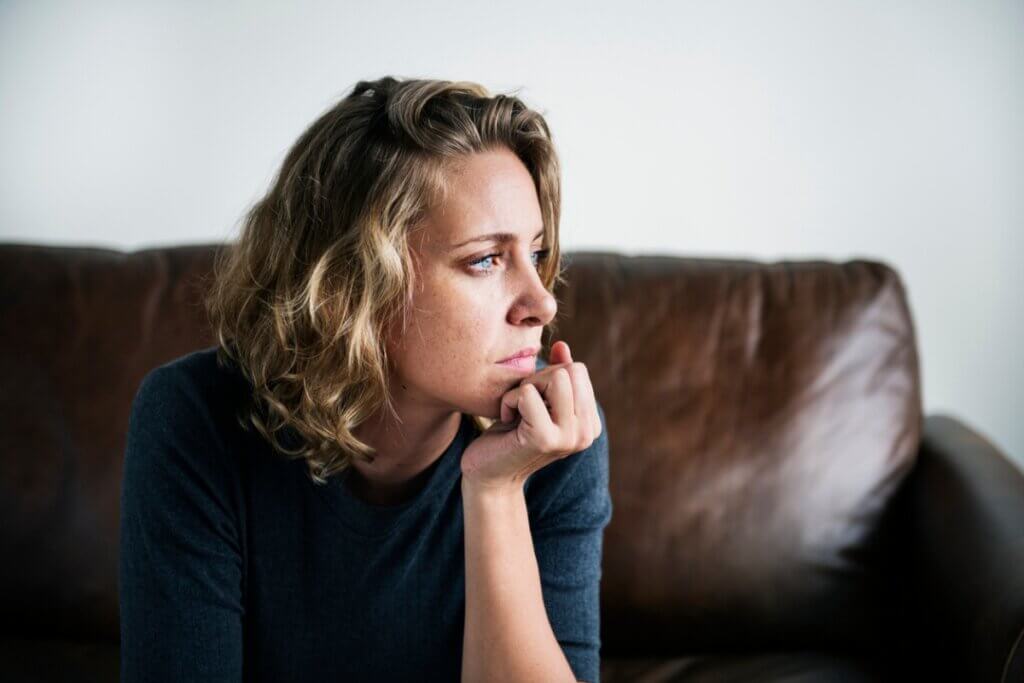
(550, 415)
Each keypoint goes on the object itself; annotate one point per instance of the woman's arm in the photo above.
(558, 442)
(569, 506)
(507, 634)
(180, 579)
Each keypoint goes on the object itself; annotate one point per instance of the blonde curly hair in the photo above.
(300, 303)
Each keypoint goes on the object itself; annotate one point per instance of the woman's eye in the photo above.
(480, 261)
(484, 264)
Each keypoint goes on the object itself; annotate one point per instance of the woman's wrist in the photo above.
(489, 490)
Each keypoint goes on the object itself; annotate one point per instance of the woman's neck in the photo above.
(404, 453)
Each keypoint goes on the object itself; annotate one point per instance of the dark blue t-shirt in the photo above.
(236, 566)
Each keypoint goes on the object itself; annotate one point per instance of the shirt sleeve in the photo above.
(570, 507)
(180, 566)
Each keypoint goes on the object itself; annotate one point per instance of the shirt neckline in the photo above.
(369, 520)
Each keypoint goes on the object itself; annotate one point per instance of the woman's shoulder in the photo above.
(182, 483)
(197, 371)
(202, 366)
(194, 393)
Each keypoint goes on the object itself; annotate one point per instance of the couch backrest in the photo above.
(760, 417)
(79, 328)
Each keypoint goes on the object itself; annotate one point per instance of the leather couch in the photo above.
(782, 508)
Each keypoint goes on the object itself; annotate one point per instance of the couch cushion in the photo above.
(58, 661)
(796, 667)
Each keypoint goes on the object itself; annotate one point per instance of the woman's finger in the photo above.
(586, 403)
(588, 391)
(560, 396)
(510, 403)
(583, 402)
(539, 426)
(580, 402)
(542, 378)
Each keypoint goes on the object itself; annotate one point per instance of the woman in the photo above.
(356, 483)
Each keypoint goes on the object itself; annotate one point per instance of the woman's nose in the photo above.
(533, 301)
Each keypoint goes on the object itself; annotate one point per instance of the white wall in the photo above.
(811, 129)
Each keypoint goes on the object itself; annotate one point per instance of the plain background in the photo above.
(787, 130)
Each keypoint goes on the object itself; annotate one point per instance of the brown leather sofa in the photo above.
(782, 509)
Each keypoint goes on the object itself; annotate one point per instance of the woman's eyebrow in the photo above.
(501, 237)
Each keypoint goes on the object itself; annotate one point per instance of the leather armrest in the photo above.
(961, 537)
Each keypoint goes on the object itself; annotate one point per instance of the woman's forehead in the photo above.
(493, 194)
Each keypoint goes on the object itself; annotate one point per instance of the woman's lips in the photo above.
(522, 364)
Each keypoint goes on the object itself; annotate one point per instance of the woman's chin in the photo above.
(489, 407)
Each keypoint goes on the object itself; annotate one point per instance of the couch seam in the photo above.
(1013, 652)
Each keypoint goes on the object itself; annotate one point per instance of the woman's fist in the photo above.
(550, 415)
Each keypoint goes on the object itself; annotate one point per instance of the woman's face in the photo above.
(478, 299)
